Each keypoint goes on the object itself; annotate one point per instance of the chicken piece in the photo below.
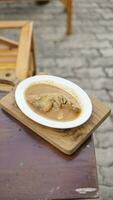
(74, 105)
(56, 101)
(43, 103)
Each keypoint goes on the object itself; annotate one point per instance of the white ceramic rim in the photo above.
(67, 85)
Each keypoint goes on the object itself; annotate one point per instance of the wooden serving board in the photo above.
(67, 140)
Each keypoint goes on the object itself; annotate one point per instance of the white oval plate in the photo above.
(69, 86)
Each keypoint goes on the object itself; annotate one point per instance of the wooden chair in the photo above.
(68, 6)
(17, 59)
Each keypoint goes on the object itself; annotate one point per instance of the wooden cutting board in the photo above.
(68, 140)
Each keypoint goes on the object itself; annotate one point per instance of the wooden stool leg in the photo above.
(33, 54)
(69, 17)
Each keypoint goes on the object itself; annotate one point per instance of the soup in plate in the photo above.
(52, 102)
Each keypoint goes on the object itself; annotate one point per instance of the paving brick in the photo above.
(65, 72)
(87, 4)
(108, 16)
(46, 63)
(90, 72)
(106, 126)
(69, 53)
(84, 83)
(109, 72)
(106, 23)
(111, 93)
(86, 44)
(101, 61)
(90, 29)
(107, 52)
(107, 36)
(107, 174)
(75, 62)
(101, 94)
(85, 57)
(106, 192)
(104, 156)
(105, 139)
(90, 52)
(102, 83)
(110, 29)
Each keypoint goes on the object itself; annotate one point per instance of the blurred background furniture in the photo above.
(17, 59)
(68, 7)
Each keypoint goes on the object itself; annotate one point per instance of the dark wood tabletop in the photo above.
(30, 168)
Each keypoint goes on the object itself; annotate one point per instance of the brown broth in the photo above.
(41, 89)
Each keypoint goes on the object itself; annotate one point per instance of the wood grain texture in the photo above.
(7, 74)
(69, 17)
(9, 43)
(5, 87)
(12, 24)
(5, 65)
(8, 58)
(23, 58)
(68, 6)
(31, 67)
(8, 52)
(18, 58)
(33, 55)
(67, 141)
(31, 168)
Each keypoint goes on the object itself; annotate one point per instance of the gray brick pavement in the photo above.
(85, 57)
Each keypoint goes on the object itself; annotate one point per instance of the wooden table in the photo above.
(30, 168)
